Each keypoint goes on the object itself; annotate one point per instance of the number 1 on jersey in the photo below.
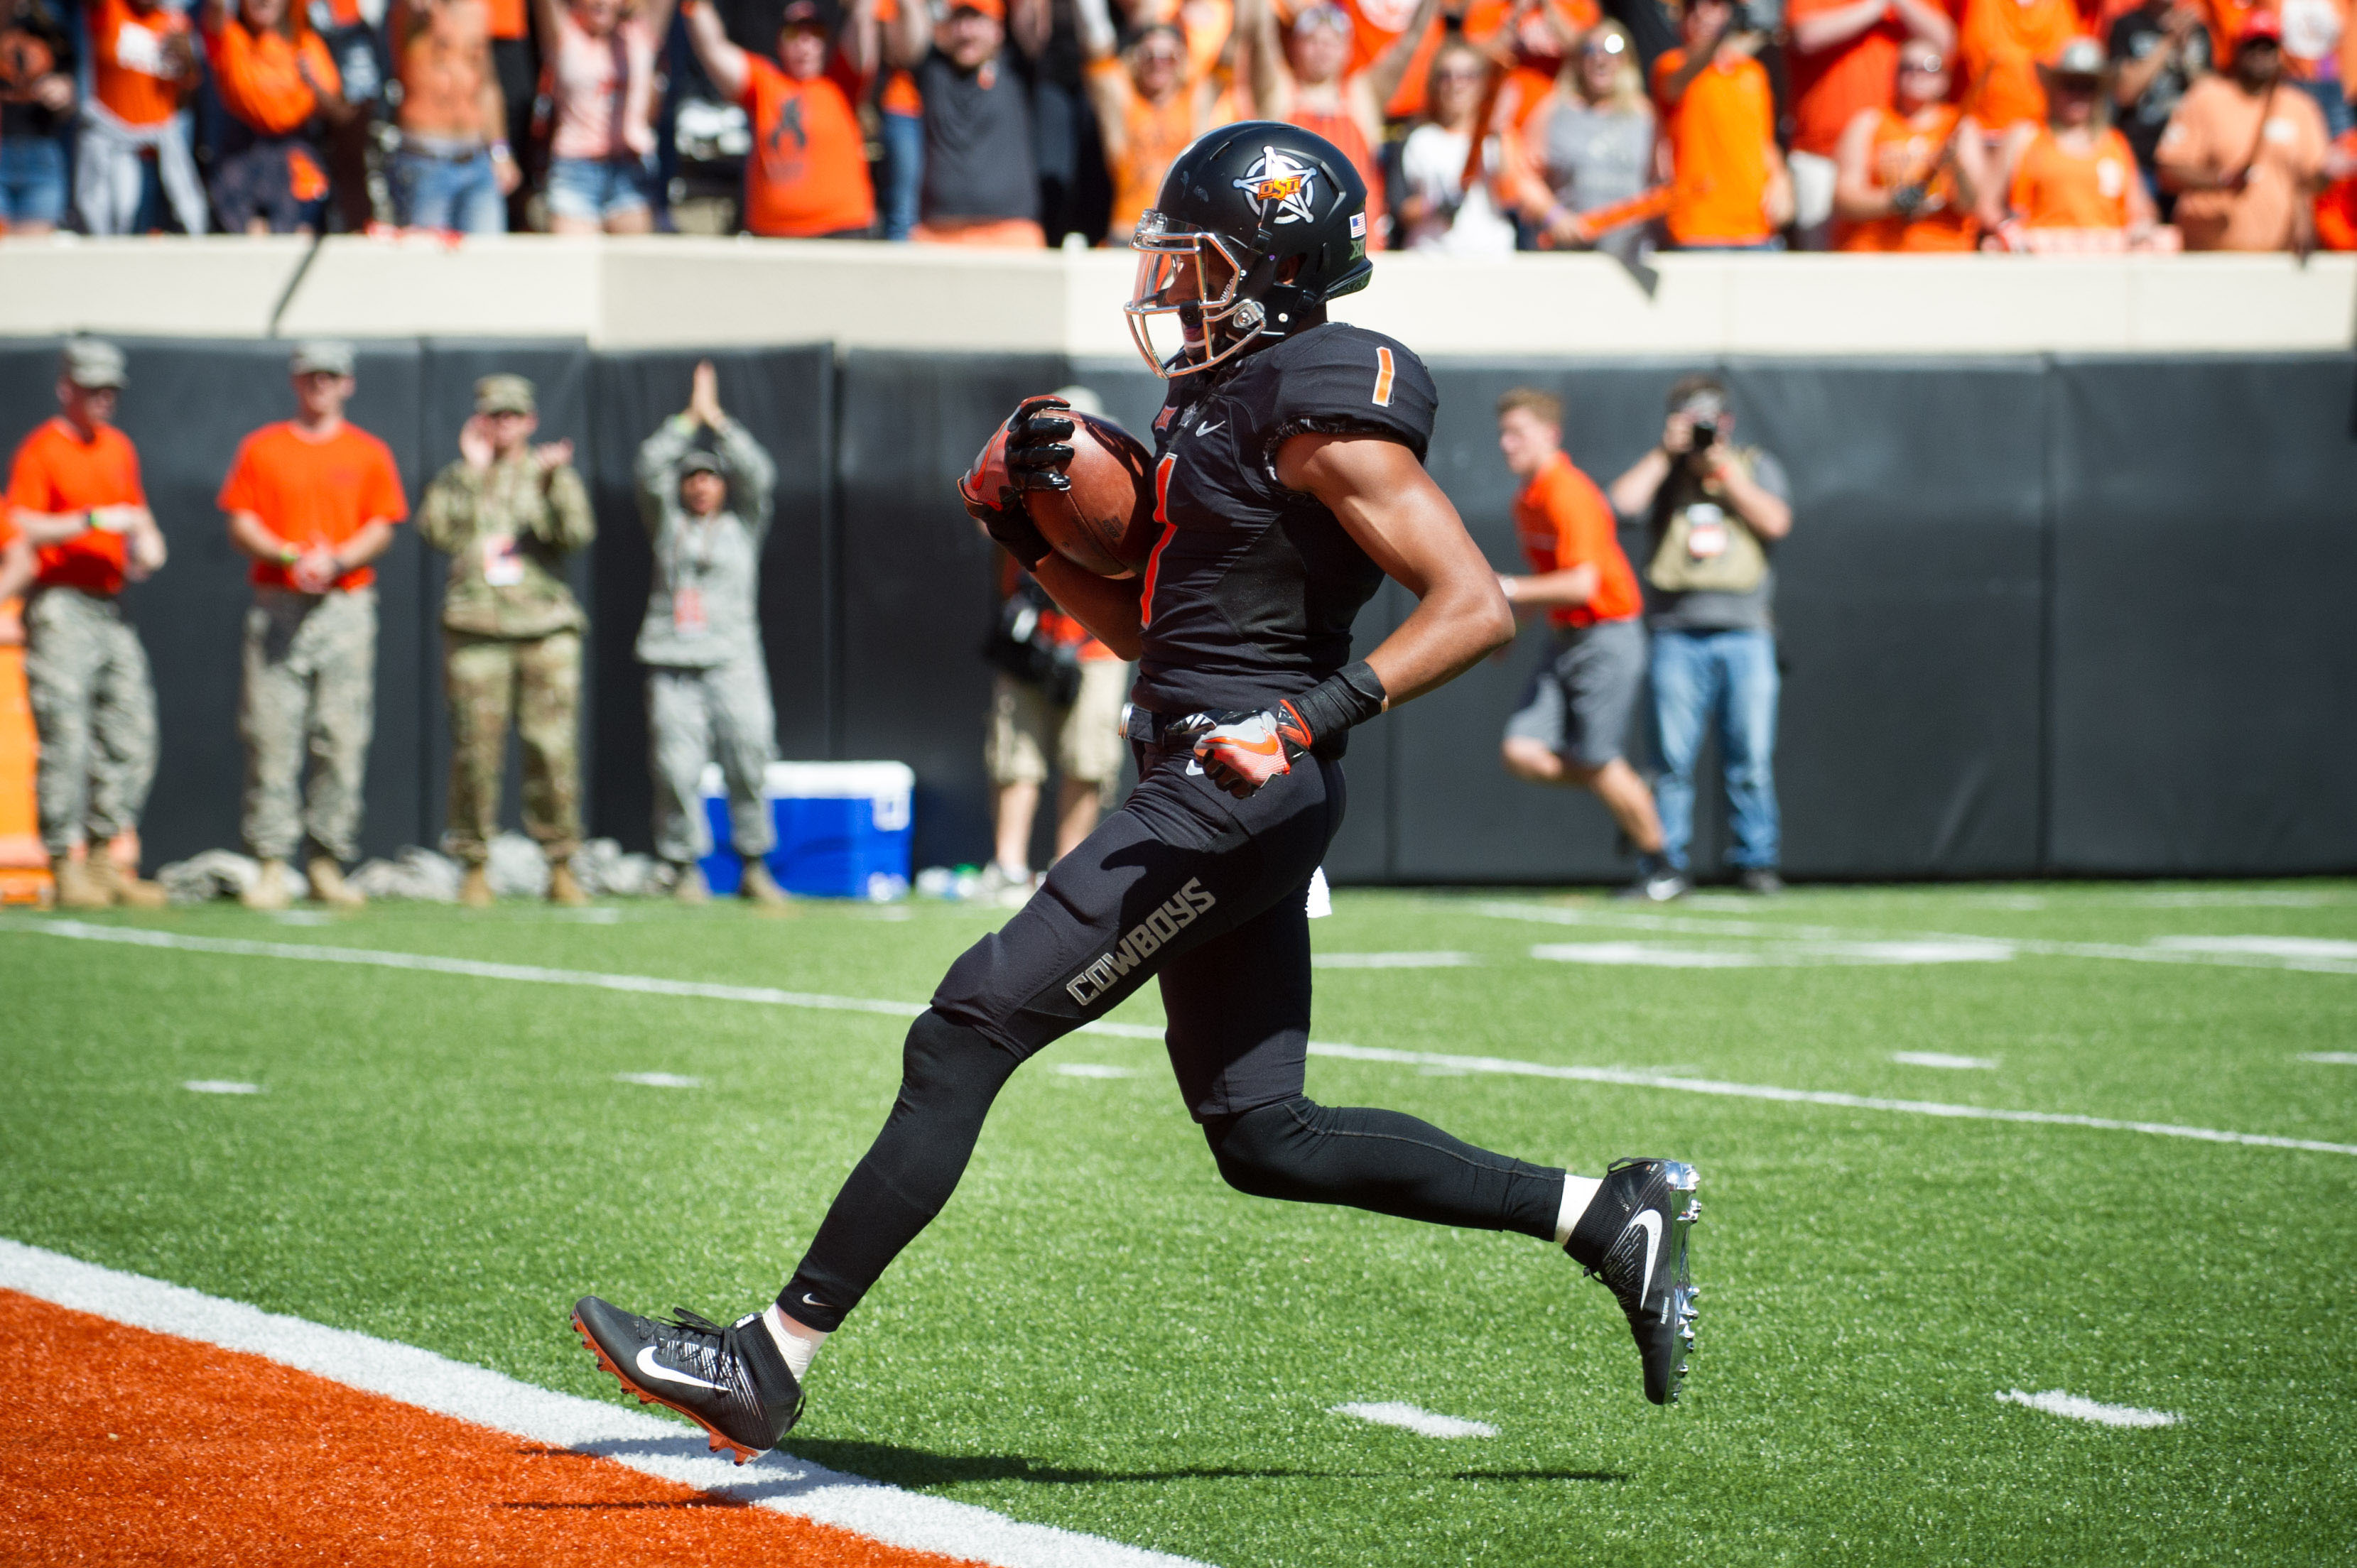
(1162, 515)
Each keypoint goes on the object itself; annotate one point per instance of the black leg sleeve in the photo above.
(950, 1076)
(1380, 1160)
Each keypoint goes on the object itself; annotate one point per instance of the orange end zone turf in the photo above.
(120, 1445)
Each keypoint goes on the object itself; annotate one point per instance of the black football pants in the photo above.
(1209, 894)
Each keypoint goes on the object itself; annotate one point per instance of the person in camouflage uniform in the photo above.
(708, 681)
(507, 513)
(74, 528)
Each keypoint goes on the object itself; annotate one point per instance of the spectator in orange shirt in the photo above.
(1911, 177)
(1998, 51)
(313, 501)
(2245, 151)
(1150, 103)
(281, 90)
(143, 65)
(1728, 187)
(74, 497)
(2072, 183)
(806, 177)
(1574, 719)
(1844, 59)
(1307, 82)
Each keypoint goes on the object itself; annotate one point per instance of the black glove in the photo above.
(1030, 458)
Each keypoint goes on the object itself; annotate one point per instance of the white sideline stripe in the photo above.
(1813, 1096)
(659, 1080)
(2054, 1402)
(1423, 1422)
(1939, 1058)
(643, 1442)
(2315, 956)
(82, 931)
(1393, 961)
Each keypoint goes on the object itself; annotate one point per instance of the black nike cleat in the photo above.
(731, 1381)
(1633, 1238)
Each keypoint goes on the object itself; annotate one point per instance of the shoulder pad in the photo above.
(1340, 378)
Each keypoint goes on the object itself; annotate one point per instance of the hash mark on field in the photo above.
(1094, 1069)
(659, 1080)
(1778, 955)
(1412, 1418)
(304, 917)
(2054, 1402)
(2331, 1059)
(2263, 947)
(1939, 1058)
(1393, 961)
(219, 1086)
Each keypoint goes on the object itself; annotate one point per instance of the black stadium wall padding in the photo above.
(2205, 677)
(2039, 615)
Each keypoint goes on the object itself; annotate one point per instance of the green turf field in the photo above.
(1098, 1334)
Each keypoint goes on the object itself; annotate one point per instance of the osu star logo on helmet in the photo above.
(1276, 178)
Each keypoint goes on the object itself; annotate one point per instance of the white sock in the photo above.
(1578, 1192)
(797, 1344)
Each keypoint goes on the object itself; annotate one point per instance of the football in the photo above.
(1105, 523)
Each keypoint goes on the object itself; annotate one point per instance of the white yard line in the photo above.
(2054, 1402)
(1941, 1058)
(650, 984)
(630, 1437)
(1423, 1422)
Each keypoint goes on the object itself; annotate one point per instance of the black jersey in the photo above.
(1252, 588)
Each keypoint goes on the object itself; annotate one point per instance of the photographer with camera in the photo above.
(1714, 512)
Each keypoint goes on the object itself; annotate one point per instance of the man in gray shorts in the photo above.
(1575, 714)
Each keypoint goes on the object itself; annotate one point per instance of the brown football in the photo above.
(1105, 523)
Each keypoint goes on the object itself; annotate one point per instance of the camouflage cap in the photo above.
(504, 395)
(322, 357)
(702, 460)
(92, 362)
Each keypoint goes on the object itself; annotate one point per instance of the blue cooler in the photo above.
(843, 828)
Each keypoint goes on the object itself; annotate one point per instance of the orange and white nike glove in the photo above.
(1241, 751)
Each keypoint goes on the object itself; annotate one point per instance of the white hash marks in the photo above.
(1941, 1058)
(659, 1080)
(1412, 1418)
(219, 1086)
(2054, 1402)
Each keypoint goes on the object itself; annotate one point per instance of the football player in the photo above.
(1288, 483)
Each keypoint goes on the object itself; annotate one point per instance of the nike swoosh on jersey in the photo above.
(1651, 1221)
(653, 1369)
(1207, 429)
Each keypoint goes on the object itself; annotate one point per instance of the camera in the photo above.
(1706, 434)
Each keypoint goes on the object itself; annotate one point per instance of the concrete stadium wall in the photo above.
(675, 290)
(2040, 613)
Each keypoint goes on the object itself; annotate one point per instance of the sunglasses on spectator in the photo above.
(1322, 15)
(1931, 65)
(1604, 49)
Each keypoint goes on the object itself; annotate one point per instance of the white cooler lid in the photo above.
(827, 780)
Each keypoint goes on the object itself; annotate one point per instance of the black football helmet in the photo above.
(1274, 223)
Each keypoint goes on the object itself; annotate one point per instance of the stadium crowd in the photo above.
(1482, 127)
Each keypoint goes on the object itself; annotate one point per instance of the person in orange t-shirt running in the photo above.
(1728, 187)
(1574, 719)
(1844, 59)
(1998, 51)
(1307, 81)
(1911, 177)
(283, 95)
(1150, 102)
(75, 505)
(806, 177)
(2072, 183)
(143, 65)
(313, 501)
